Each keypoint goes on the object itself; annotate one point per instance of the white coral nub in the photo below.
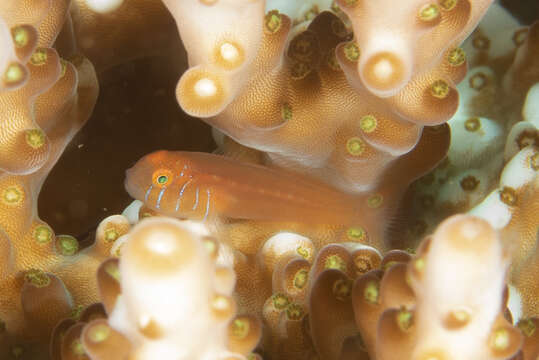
(170, 307)
(459, 294)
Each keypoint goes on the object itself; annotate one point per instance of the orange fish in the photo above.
(200, 186)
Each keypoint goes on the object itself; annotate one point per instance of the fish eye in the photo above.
(162, 177)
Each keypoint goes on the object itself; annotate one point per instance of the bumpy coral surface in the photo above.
(492, 171)
(166, 297)
(426, 310)
(39, 118)
(324, 113)
(338, 106)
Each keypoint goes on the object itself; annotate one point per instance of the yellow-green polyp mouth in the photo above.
(14, 74)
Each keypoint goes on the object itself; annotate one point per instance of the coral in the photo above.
(282, 89)
(29, 70)
(19, 26)
(45, 101)
(39, 118)
(491, 171)
(433, 311)
(403, 306)
(316, 294)
(321, 281)
(168, 297)
(488, 123)
(42, 283)
(324, 113)
(469, 302)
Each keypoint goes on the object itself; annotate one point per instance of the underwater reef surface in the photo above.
(372, 192)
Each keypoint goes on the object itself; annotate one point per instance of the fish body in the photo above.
(201, 186)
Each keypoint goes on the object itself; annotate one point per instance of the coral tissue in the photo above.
(373, 194)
